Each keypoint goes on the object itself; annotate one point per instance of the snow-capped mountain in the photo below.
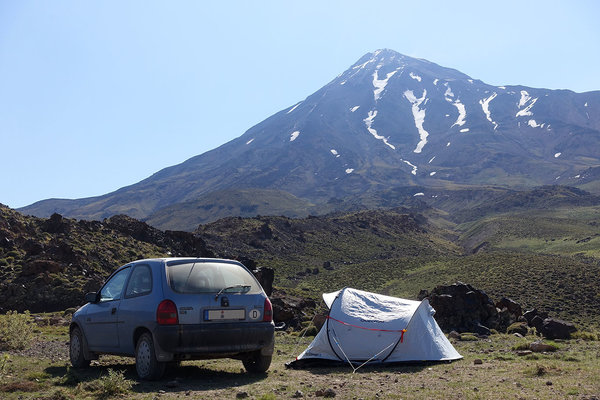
(389, 120)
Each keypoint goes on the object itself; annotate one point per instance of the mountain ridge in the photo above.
(389, 120)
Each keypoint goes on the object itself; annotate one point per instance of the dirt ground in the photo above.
(491, 369)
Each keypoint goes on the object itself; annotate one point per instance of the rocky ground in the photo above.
(492, 368)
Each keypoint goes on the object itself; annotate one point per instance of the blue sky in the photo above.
(95, 96)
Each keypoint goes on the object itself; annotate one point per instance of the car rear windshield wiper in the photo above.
(245, 287)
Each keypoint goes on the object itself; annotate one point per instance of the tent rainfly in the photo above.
(365, 327)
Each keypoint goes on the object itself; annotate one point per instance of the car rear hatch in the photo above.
(220, 308)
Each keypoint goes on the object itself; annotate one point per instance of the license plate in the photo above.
(222, 315)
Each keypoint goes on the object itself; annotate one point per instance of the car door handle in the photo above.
(114, 310)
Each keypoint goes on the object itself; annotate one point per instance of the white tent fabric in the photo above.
(363, 326)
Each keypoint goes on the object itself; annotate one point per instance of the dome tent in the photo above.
(364, 327)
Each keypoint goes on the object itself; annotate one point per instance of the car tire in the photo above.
(257, 363)
(147, 366)
(76, 344)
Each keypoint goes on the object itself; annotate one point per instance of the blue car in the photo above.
(167, 310)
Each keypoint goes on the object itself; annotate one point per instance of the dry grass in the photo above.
(570, 372)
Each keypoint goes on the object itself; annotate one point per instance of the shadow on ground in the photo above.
(181, 378)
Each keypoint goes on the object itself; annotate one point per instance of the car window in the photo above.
(210, 277)
(114, 287)
(140, 282)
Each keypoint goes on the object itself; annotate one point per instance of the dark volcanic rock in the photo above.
(265, 277)
(513, 307)
(56, 224)
(49, 264)
(291, 309)
(557, 329)
(463, 308)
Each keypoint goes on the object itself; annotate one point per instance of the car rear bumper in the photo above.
(203, 340)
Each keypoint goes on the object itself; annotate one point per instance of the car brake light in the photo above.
(268, 312)
(166, 313)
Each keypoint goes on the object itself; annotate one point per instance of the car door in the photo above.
(101, 320)
(137, 308)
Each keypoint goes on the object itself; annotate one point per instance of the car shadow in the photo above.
(176, 379)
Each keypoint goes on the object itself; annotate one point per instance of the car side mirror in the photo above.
(91, 297)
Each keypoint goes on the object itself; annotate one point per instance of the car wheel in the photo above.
(76, 349)
(146, 364)
(257, 363)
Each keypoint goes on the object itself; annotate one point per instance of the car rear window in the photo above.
(210, 277)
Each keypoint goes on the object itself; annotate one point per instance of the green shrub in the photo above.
(521, 346)
(4, 363)
(468, 337)
(114, 383)
(16, 331)
(584, 335)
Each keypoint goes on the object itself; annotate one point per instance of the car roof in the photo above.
(197, 259)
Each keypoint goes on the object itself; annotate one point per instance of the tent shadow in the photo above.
(176, 379)
(324, 367)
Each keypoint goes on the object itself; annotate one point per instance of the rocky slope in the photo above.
(49, 264)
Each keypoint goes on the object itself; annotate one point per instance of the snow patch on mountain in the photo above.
(293, 108)
(334, 152)
(369, 122)
(250, 141)
(380, 84)
(432, 158)
(432, 173)
(464, 130)
(414, 167)
(485, 106)
(532, 123)
(448, 95)
(419, 194)
(415, 77)
(361, 66)
(525, 97)
(354, 108)
(435, 81)
(556, 155)
(462, 113)
(349, 170)
(527, 101)
(419, 116)
(294, 136)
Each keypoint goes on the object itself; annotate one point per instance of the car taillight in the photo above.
(268, 312)
(166, 313)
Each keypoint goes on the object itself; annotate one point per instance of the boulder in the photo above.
(537, 322)
(463, 308)
(291, 310)
(513, 307)
(557, 329)
(265, 277)
(539, 347)
(56, 224)
(531, 314)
